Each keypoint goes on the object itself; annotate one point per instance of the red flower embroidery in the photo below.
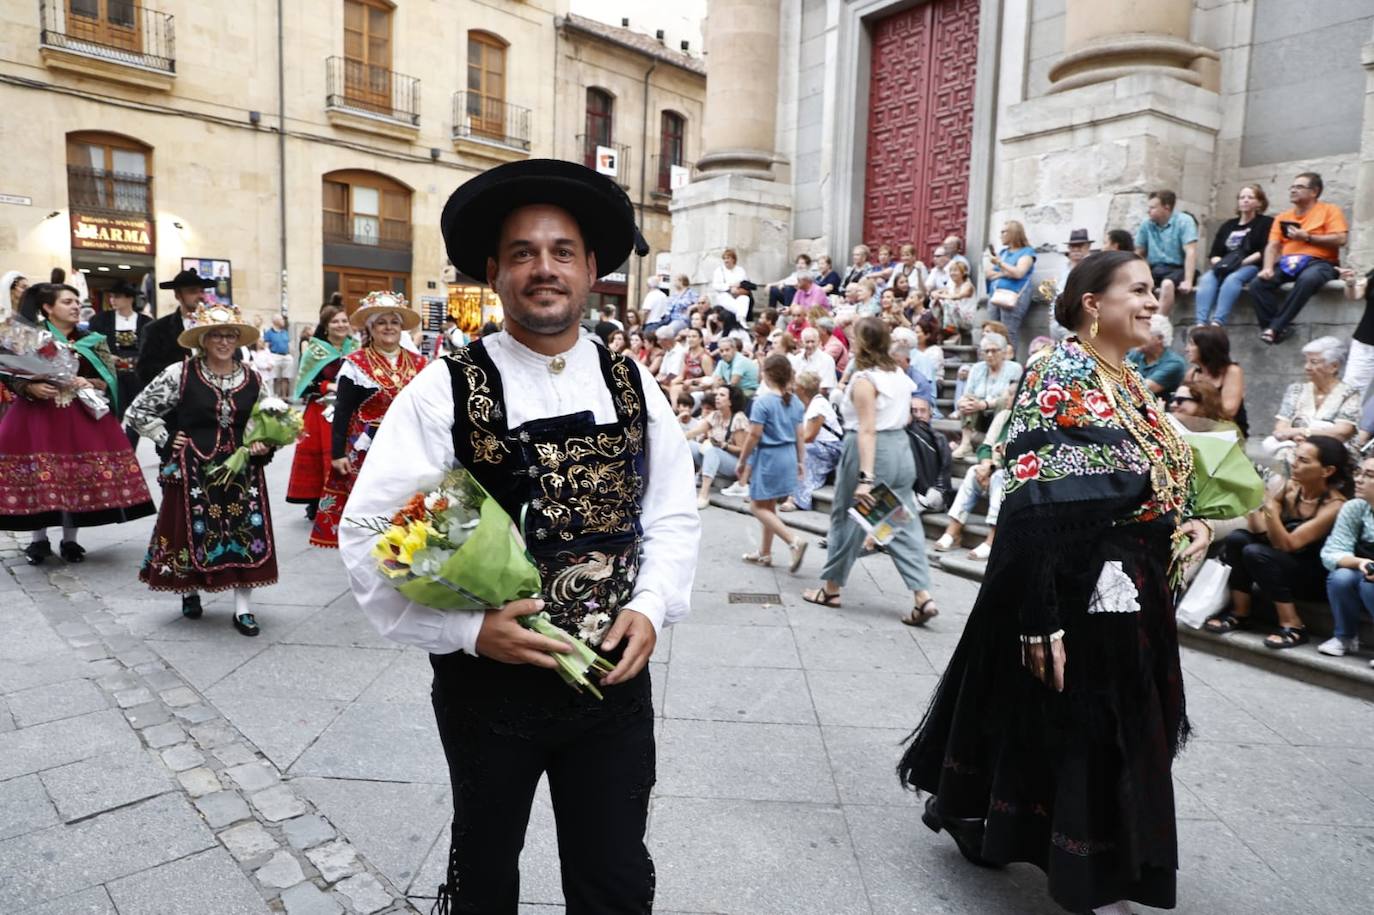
(1050, 399)
(1097, 402)
(1027, 466)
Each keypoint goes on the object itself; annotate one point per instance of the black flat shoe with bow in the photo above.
(190, 606)
(36, 552)
(72, 551)
(245, 623)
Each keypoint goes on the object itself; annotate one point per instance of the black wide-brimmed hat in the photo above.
(471, 222)
(123, 287)
(188, 278)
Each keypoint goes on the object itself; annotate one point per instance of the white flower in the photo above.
(593, 627)
(272, 405)
(432, 500)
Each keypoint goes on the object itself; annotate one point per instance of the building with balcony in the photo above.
(298, 164)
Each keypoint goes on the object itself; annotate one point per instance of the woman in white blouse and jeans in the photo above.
(875, 411)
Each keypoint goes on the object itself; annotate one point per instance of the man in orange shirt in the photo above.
(1304, 249)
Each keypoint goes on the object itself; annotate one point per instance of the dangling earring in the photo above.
(1092, 331)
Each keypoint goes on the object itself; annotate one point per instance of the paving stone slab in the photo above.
(24, 807)
(92, 901)
(234, 754)
(199, 781)
(104, 782)
(203, 664)
(307, 671)
(735, 646)
(57, 743)
(864, 763)
(393, 825)
(55, 861)
(253, 776)
(55, 701)
(362, 743)
(180, 696)
(182, 756)
(128, 698)
(164, 735)
(195, 714)
(281, 871)
(334, 860)
(365, 893)
(214, 733)
(148, 714)
(875, 699)
(738, 694)
(1222, 777)
(221, 808)
(746, 760)
(248, 841)
(848, 649)
(306, 899)
(308, 831)
(754, 857)
(281, 730)
(206, 882)
(278, 803)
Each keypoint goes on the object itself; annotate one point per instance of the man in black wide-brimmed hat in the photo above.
(158, 346)
(582, 446)
(122, 326)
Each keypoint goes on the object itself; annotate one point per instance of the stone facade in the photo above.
(212, 123)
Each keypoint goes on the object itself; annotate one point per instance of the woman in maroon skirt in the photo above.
(210, 535)
(369, 381)
(60, 464)
(321, 359)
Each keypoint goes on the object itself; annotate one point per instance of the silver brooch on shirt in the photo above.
(557, 364)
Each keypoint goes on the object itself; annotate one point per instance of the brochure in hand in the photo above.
(884, 517)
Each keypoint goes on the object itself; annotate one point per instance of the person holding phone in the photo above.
(1304, 249)
(1348, 555)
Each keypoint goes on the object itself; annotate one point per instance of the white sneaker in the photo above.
(1339, 648)
(735, 489)
(944, 544)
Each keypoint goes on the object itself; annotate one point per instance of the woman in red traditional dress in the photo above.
(317, 381)
(213, 533)
(60, 463)
(368, 382)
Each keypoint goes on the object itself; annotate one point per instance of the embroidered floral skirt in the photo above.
(1078, 783)
(57, 461)
(337, 486)
(211, 538)
(310, 466)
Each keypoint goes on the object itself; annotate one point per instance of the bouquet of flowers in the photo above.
(272, 422)
(30, 352)
(455, 548)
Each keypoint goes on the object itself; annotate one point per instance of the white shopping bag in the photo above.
(1207, 595)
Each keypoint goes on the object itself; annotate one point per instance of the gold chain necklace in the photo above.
(1170, 457)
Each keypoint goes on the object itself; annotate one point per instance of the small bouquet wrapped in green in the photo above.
(456, 548)
(273, 423)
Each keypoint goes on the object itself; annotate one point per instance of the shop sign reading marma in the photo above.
(112, 233)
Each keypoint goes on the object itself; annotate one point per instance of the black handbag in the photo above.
(1229, 262)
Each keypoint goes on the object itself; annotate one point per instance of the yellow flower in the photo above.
(400, 544)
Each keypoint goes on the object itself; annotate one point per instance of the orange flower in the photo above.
(415, 508)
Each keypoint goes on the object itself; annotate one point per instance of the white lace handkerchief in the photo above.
(1115, 592)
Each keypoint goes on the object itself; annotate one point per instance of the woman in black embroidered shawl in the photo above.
(1051, 736)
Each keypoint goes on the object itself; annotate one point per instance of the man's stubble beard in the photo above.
(545, 323)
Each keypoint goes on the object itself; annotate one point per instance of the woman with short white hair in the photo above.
(991, 383)
(1322, 405)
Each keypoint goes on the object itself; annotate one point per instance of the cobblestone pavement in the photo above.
(150, 764)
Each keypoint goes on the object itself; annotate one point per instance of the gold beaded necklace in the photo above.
(1170, 457)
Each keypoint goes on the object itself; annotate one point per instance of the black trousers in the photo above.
(780, 297)
(1284, 577)
(503, 726)
(1266, 294)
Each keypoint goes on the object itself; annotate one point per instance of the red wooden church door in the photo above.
(920, 124)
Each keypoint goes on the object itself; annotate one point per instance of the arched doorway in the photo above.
(110, 198)
(920, 124)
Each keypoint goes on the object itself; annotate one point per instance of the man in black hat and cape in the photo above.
(584, 444)
(123, 326)
(158, 346)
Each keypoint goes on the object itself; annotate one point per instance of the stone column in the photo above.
(733, 202)
(739, 123)
(1107, 39)
(1361, 249)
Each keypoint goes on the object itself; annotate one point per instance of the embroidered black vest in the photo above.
(213, 419)
(579, 484)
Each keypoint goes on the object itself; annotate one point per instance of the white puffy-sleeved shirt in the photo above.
(414, 447)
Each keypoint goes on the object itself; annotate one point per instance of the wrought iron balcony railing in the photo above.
(94, 190)
(357, 86)
(115, 30)
(365, 230)
(485, 118)
(611, 159)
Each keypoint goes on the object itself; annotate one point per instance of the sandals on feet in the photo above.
(1286, 637)
(822, 597)
(1225, 622)
(922, 613)
(798, 551)
(758, 559)
(1268, 336)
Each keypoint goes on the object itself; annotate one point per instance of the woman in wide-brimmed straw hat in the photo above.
(368, 382)
(210, 535)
